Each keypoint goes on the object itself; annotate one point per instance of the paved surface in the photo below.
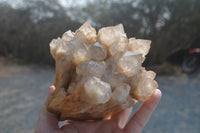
(23, 89)
(179, 109)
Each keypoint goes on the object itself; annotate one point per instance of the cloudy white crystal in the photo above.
(98, 51)
(139, 46)
(96, 91)
(129, 64)
(121, 92)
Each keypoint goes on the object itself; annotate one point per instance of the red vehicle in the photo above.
(191, 61)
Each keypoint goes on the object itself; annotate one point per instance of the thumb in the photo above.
(50, 94)
(47, 119)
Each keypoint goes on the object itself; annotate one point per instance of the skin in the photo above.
(48, 122)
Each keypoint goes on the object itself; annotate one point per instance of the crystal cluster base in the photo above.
(99, 74)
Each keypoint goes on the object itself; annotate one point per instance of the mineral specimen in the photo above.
(99, 75)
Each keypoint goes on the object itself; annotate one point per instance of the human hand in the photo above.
(48, 122)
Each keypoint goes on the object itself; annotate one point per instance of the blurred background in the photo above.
(26, 66)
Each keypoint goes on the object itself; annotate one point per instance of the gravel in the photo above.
(23, 91)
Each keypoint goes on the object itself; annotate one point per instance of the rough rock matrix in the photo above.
(99, 74)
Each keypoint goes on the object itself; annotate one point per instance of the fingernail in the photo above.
(51, 90)
(158, 92)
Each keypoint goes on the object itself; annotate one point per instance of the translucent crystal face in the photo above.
(99, 74)
(139, 46)
(129, 64)
(96, 91)
(121, 92)
(98, 51)
(91, 68)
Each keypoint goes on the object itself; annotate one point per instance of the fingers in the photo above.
(45, 115)
(141, 117)
(122, 117)
(50, 94)
(69, 128)
(108, 117)
(48, 114)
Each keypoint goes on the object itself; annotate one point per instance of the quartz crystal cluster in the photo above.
(99, 74)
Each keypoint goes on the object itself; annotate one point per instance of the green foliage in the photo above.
(172, 25)
(26, 36)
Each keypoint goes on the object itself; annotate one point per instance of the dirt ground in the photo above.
(23, 89)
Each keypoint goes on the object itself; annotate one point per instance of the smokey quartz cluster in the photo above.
(99, 74)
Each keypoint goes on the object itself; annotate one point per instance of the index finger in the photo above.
(141, 117)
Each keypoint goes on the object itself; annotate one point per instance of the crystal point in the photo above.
(139, 46)
(96, 91)
(98, 51)
(129, 64)
(89, 32)
(121, 92)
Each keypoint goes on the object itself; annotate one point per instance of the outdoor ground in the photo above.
(23, 89)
